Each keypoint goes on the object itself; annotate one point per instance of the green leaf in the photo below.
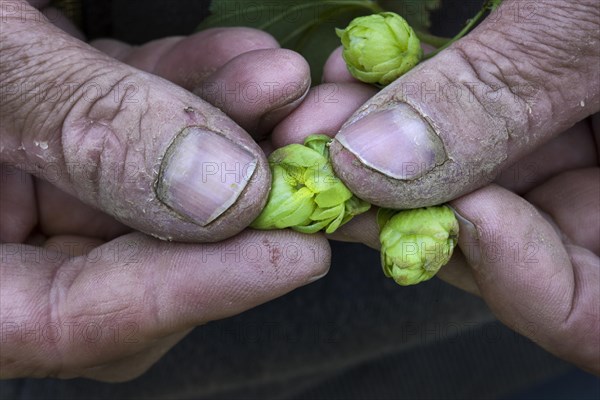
(416, 12)
(306, 27)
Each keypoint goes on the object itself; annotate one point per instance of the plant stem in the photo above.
(433, 40)
(470, 24)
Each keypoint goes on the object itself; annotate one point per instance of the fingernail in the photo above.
(203, 174)
(274, 116)
(316, 277)
(468, 239)
(397, 142)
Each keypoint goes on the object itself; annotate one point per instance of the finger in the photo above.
(192, 59)
(259, 88)
(256, 91)
(361, 229)
(147, 56)
(150, 290)
(458, 273)
(266, 146)
(136, 147)
(573, 149)
(572, 199)
(184, 60)
(324, 110)
(527, 277)
(335, 71)
(449, 125)
(17, 205)
(112, 47)
(72, 245)
(60, 213)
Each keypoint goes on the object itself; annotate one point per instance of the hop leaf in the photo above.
(415, 244)
(379, 48)
(305, 193)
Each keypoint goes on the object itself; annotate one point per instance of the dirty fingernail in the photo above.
(203, 174)
(397, 142)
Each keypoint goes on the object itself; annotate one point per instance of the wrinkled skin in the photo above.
(176, 287)
(489, 99)
(529, 241)
(82, 293)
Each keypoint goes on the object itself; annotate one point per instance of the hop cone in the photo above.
(305, 193)
(379, 48)
(415, 244)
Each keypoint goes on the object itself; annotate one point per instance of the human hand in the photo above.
(530, 241)
(475, 108)
(91, 147)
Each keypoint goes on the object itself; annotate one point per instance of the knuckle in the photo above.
(497, 84)
(104, 116)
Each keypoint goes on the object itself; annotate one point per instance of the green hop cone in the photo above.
(379, 48)
(305, 193)
(415, 244)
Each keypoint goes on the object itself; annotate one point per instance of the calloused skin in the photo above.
(530, 241)
(81, 294)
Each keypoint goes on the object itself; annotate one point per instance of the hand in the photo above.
(529, 243)
(475, 108)
(91, 147)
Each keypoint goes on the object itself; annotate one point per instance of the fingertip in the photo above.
(148, 56)
(362, 229)
(335, 69)
(112, 47)
(258, 88)
(323, 111)
(517, 251)
(197, 56)
(316, 254)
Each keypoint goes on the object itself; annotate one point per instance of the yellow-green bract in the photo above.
(380, 47)
(305, 193)
(415, 244)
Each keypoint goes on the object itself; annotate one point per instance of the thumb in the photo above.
(448, 126)
(137, 147)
